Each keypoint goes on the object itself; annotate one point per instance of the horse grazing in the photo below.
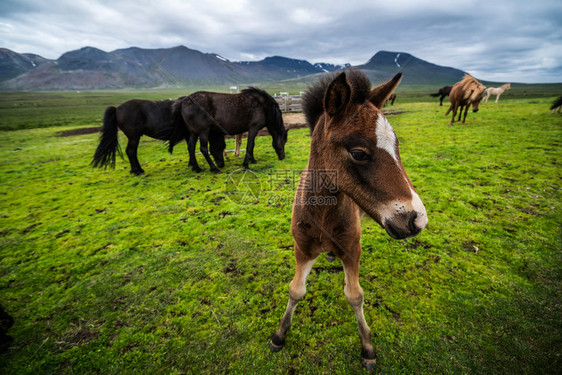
(495, 91)
(463, 94)
(157, 119)
(354, 168)
(390, 99)
(443, 91)
(232, 114)
(556, 104)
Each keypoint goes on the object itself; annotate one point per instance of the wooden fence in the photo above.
(289, 103)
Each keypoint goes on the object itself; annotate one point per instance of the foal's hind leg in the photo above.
(131, 150)
(354, 294)
(297, 289)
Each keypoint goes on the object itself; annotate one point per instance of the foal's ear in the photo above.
(380, 94)
(337, 96)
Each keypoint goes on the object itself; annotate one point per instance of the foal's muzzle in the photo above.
(403, 226)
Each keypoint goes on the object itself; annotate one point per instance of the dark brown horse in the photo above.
(250, 110)
(157, 119)
(464, 94)
(443, 92)
(390, 99)
(354, 168)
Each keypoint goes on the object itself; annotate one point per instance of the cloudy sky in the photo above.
(497, 40)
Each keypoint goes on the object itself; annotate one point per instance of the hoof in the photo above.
(369, 364)
(137, 173)
(276, 344)
(331, 256)
(197, 169)
(274, 348)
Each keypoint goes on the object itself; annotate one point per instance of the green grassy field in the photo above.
(167, 273)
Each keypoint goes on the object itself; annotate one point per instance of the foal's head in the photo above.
(354, 138)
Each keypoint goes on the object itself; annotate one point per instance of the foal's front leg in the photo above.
(354, 294)
(297, 289)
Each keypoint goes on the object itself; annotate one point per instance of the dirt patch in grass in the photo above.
(79, 131)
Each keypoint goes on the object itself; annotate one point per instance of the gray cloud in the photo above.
(517, 41)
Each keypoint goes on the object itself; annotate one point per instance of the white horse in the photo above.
(495, 91)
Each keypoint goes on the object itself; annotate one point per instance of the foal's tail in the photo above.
(435, 95)
(449, 110)
(109, 143)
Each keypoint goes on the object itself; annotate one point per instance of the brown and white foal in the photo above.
(354, 168)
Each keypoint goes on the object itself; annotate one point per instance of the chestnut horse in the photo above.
(497, 91)
(463, 94)
(354, 168)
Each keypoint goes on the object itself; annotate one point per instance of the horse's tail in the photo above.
(177, 131)
(109, 142)
(435, 95)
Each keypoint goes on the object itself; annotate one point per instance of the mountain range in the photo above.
(91, 68)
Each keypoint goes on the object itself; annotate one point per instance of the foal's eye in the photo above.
(359, 155)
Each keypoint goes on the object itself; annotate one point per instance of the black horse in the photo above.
(556, 104)
(157, 119)
(443, 91)
(251, 110)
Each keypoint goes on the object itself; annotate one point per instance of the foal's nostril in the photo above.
(414, 229)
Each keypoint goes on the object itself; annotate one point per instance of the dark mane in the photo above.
(313, 98)
(258, 92)
(273, 112)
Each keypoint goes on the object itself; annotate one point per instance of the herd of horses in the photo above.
(465, 93)
(208, 117)
(350, 138)
(204, 116)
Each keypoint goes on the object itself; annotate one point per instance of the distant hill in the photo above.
(91, 68)
(415, 71)
(13, 64)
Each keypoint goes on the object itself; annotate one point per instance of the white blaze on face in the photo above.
(417, 205)
(386, 139)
